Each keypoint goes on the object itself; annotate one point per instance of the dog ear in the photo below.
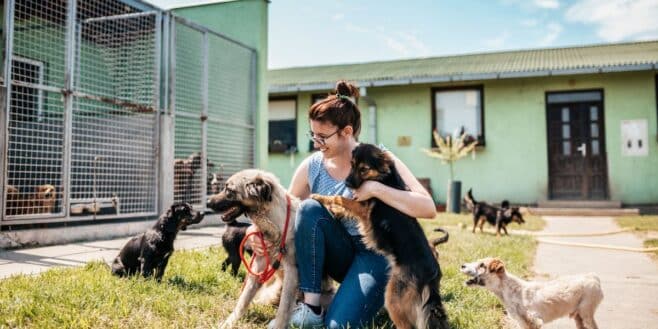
(497, 266)
(259, 189)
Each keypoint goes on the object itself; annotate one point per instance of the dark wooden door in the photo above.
(576, 144)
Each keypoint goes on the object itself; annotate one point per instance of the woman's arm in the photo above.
(415, 203)
(299, 186)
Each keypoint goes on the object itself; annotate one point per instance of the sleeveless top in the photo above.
(322, 183)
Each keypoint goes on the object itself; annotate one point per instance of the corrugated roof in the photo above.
(483, 66)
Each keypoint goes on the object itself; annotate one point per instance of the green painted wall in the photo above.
(513, 165)
(245, 21)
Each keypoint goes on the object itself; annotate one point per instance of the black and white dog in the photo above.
(148, 253)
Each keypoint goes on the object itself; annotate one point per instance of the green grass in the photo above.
(639, 223)
(645, 226)
(194, 292)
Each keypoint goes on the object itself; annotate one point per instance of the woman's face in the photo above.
(327, 137)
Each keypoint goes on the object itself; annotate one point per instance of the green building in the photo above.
(574, 123)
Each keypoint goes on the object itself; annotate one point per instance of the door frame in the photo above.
(602, 139)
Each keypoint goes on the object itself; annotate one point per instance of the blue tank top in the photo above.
(322, 183)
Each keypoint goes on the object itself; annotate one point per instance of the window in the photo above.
(282, 125)
(457, 109)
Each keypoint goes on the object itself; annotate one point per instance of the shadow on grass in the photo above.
(180, 283)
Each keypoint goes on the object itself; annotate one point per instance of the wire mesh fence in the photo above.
(83, 100)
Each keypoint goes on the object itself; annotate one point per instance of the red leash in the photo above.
(270, 269)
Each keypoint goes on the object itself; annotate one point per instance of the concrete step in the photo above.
(539, 211)
(607, 204)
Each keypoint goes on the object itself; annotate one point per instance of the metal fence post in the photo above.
(204, 122)
(68, 104)
(5, 101)
(167, 119)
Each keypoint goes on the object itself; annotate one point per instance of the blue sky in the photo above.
(311, 32)
(315, 32)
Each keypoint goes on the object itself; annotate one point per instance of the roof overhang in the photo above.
(320, 86)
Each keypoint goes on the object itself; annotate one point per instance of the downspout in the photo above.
(372, 115)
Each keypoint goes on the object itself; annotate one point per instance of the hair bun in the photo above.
(347, 89)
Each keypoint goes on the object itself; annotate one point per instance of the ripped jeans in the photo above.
(323, 246)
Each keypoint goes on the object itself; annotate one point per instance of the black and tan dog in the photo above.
(148, 253)
(412, 293)
(498, 217)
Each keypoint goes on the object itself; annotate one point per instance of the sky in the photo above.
(315, 32)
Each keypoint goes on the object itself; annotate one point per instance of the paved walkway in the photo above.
(629, 279)
(36, 260)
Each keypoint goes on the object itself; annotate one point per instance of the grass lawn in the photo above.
(645, 226)
(194, 292)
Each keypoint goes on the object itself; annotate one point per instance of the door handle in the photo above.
(582, 149)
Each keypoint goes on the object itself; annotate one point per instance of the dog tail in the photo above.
(504, 204)
(433, 314)
(442, 239)
(470, 201)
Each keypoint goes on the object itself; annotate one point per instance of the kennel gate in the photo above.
(213, 101)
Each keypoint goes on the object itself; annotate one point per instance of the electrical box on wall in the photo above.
(634, 137)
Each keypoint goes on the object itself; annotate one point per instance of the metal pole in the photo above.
(68, 104)
(4, 118)
(157, 25)
(254, 109)
(204, 121)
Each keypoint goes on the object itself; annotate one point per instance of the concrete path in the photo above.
(629, 279)
(36, 260)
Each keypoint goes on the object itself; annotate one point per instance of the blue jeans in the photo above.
(323, 246)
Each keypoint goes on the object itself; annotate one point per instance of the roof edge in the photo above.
(315, 86)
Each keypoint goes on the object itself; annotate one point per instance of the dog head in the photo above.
(485, 272)
(514, 214)
(369, 162)
(244, 192)
(179, 216)
(45, 197)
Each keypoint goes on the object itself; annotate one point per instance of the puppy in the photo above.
(531, 304)
(498, 217)
(149, 252)
(41, 201)
(412, 293)
(233, 235)
(260, 196)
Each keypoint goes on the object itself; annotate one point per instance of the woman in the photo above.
(325, 245)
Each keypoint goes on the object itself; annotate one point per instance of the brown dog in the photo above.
(41, 201)
(412, 293)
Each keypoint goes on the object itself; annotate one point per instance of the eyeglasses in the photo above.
(319, 139)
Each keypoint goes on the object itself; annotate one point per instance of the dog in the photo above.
(498, 217)
(148, 253)
(233, 235)
(531, 304)
(41, 201)
(259, 195)
(412, 294)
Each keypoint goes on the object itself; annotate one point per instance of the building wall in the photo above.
(244, 21)
(513, 164)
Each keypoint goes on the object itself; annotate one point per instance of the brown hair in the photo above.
(339, 108)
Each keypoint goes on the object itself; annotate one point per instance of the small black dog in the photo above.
(233, 235)
(412, 294)
(149, 252)
(498, 217)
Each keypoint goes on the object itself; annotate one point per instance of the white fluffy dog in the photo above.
(531, 304)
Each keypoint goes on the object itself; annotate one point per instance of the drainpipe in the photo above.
(372, 115)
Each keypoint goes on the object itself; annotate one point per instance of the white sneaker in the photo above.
(303, 317)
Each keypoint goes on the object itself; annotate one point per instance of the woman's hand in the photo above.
(256, 243)
(369, 189)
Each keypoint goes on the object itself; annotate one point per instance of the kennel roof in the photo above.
(591, 59)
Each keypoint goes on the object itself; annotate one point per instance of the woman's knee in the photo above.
(308, 214)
